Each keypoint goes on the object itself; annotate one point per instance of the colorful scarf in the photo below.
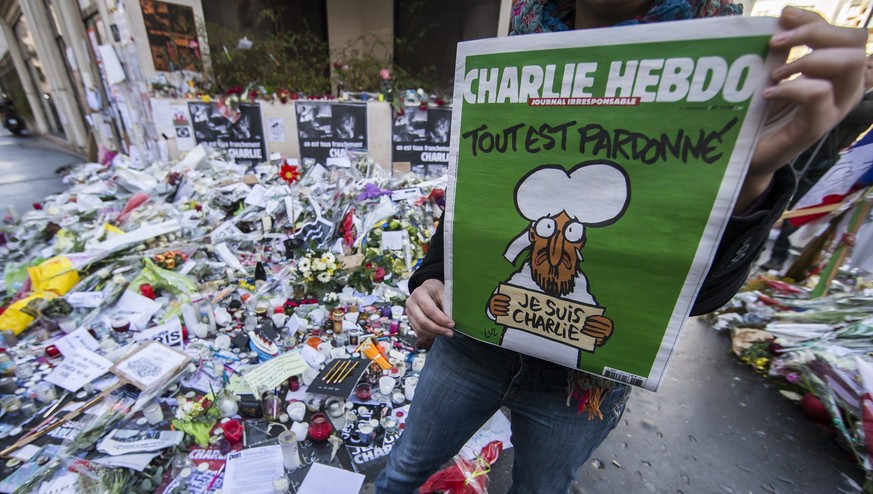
(546, 16)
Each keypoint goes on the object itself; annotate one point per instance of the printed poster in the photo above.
(591, 178)
(327, 131)
(421, 139)
(240, 134)
(172, 35)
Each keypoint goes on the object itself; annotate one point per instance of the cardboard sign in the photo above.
(550, 317)
(595, 172)
(150, 365)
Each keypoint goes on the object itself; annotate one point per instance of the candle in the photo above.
(153, 413)
(409, 387)
(290, 454)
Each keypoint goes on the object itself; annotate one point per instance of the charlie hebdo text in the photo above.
(626, 83)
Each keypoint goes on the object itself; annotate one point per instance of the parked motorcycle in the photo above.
(12, 120)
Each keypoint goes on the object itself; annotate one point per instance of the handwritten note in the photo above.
(87, 300)
(79, 369)
(272, 373)
(78, 339)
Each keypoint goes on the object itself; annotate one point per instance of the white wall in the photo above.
(348, 20)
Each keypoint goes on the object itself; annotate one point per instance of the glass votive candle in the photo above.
(335, 408)
(397, 311)
(45, 392)
(8, 385)
(398, 397)
(293, 383)
(281, 485)
(363, 391)
(319, 428)
(290, 453)
(120, 326)
(12, 404)
(418, 362)
(354, 338)
(386, 385)
(390, 424)
(153, 413)
(365, 434)
(342, 339)
(24, 370)
(409, 387)
(394, 327)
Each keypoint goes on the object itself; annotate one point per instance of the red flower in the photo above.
(253, 95)
(440, 101)
(289, 173)
(379, 275)
(234, 90)
(422, 106)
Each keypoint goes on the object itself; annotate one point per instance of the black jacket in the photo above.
(743, 240)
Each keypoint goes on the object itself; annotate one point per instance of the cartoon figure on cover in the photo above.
(546, 306)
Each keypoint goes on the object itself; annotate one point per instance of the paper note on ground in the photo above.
(323, 479)
(78, 370)
(252, 470)
(272, 373)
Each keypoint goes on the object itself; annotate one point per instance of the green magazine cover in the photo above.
(591, 176)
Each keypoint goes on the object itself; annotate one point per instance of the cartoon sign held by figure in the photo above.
(547, 305)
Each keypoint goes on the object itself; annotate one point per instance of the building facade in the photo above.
(85, 72)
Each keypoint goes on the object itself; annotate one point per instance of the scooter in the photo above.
(12, 121)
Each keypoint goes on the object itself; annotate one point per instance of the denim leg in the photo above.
(461, 386)
(551, 441)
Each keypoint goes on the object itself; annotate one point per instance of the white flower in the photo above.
(318, 265)
(329, 257)
(323, 277)
(331, 266)
(303, 265)
(306, 274)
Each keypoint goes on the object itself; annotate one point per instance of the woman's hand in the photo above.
(803, 109)
(425, 310)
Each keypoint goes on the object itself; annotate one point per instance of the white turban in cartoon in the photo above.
(594, 194)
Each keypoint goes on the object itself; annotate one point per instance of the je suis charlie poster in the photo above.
(591, 176)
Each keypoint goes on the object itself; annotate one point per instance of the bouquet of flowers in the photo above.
(320, 271)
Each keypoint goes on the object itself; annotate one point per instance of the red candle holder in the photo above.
(293, 383)
(363, 391)
(233, 431)
(52, 351)
(319, 427)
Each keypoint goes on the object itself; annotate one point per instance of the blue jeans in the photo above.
(463, 384)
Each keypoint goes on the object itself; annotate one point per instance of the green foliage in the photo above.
(296, 61)
(300, 61)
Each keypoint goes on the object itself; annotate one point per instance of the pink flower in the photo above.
(385, 74)
(379, 275)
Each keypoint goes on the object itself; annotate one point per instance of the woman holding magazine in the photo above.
(559, 415)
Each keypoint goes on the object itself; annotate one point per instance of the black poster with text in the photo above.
(240, 134)
(328, 130)
(421, 138)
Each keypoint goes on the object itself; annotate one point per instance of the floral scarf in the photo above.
(545, 16)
